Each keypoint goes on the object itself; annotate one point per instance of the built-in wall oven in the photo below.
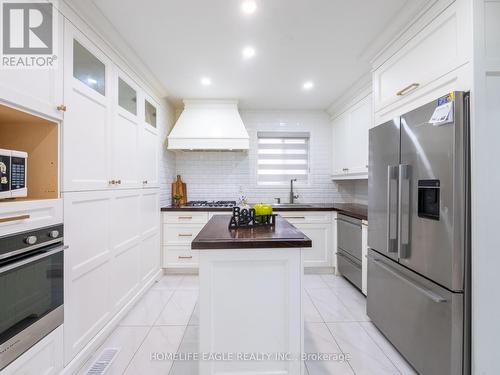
(31, 289)
(349, 249)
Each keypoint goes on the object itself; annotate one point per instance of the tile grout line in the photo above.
(381, 349)
(149, 330)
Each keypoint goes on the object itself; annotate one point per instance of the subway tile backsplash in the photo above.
(221, 175)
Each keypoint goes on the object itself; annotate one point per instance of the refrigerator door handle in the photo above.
(404, 211)
(427, 292)
(392, 207)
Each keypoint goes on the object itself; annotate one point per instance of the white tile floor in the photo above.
(166, 320)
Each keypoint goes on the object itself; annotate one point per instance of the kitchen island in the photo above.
(251, 298)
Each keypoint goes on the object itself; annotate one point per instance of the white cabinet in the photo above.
(179, 229)
(149, 147)
(87, 121)
(320, 255)
(125, 132)
(421, 70)
(28, 215)
(110, 139)
(44, 358)
(39, 91)
(150, 254)
(350, 140)
(113, 239)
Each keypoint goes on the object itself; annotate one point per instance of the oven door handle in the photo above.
(23, 262)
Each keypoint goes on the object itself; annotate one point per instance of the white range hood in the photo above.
(209, 125)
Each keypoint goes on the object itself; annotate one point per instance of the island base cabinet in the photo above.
(251, 302)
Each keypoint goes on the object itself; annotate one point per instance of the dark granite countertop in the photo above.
(358, 211)
(216, 235)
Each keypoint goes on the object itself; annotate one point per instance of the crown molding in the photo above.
(357, 92)
(86, 16)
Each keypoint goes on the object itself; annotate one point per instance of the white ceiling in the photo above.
(296, 40)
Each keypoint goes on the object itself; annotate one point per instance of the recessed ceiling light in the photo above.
(249, 6)
(248, 52)
(205, 81)
(308, 85)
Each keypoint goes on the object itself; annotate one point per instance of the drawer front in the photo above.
(179, 257)
(180, 234)
(189, 217)
(350, 268)
(349, 235)
(27, 215)
(402, 76)
(297, 217)
(402, 305)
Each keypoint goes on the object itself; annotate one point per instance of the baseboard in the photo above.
(319, 270)
(83, 356)
(180, 271)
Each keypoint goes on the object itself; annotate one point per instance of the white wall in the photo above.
(354, 191)
(485, 182)
(219, 175)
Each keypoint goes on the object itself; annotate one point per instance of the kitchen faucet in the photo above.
(292, 195)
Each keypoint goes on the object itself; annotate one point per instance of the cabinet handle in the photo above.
(295, 217)
(14, 218)
(184, 217)
(185, 235)
(408, 89)
(61, 108)
(187, 257)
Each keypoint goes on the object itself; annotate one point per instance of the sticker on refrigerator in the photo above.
(443, 114)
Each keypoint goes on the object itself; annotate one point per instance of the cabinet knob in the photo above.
(112, 182)
(61, 108)
(145, 182)
(119, 182)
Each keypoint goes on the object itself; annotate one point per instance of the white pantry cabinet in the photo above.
(87, 121)
(113, 251)
(350, 140)
(39, 91)
(427, 66)
(45, 357)
(110, 139)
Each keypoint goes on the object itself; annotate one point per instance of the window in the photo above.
(127, 97)
(281, 157)
(88, 69)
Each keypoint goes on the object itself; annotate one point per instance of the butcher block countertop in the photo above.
(217, 235)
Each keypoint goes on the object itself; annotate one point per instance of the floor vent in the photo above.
(101, 365)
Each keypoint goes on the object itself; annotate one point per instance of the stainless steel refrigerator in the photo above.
(418, 235)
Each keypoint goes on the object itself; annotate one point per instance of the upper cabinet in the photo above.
(432, 63)
(38, 91)
(109, 122)
(350, 141)
(149, 147)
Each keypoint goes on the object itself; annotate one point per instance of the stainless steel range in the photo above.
(31, 289)
(208, 204)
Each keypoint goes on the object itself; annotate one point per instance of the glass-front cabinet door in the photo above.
(149, 144)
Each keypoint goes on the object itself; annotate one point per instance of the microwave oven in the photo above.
(13, 174)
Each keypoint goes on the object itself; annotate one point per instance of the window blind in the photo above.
(281, 157)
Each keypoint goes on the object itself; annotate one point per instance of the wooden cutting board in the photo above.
(179, 187)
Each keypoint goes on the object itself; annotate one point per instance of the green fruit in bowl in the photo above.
(262, 209)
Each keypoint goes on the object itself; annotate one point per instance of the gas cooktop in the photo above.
(211, 204)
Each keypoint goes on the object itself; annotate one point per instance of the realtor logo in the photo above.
(28, 34)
